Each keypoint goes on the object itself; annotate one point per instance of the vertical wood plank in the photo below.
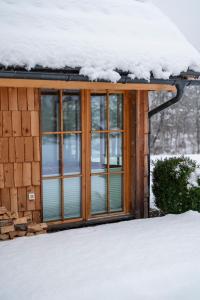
(1, 176)
(36, 146)
(19, 149)
(16, 123)
(5, 198)
(18, 175)
(31, 99)
(139, 156)
(26, 174)
(35, 173)
(22, 99)
(7, 123)
(12, 94)
(37, 100)
(4, 98)
(8, 175)
(13, 200)
(4, 150)
(28, 142)
(26, 123)
(36, 216)
(37, 198)
(1, 123)
(11, 142)
(34, 123)
(22, 199)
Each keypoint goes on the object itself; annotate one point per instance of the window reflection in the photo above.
(115, 144)
(116, 115)
(99, 152)
(71, 112)
(50, 113)
(72, 153)
(50, 155)
(99, 115)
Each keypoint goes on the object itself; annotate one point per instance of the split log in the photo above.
(3, 210)
(37, 227)
(4, 237)
(29, 234)
(21, 233)
(5, 223)
(41, 232)
(21, 227)
(13, 234)
(28, 215)
(14, 215)
(20, 221)
(7, 229)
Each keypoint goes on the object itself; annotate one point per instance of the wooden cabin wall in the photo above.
(139, 153)
(20, 151)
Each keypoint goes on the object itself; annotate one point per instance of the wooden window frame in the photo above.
(85, 174)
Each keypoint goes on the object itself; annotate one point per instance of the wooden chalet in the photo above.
(74, 151)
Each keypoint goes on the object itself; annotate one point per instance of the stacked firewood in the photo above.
(12, 226)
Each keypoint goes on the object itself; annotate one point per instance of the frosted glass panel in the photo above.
(50, 155)
(71, 112)
(99, 194)
(51, 200)
(50, 113)
(72, 197)
(116, 113)
(72, 154)
(115, 193)
(99, 152)
(115, 152)
(98, 108)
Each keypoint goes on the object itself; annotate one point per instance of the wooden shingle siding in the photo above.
(20, 150)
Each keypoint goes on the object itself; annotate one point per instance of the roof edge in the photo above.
(72, 74)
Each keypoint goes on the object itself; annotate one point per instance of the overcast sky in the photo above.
(186, 14)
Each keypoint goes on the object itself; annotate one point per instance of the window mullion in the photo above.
(61, 154)
(108, 152)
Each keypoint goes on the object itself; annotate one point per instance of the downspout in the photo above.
(180, 87)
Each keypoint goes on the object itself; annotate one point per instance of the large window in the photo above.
(61, 154)
(84, 154)
(107, 153)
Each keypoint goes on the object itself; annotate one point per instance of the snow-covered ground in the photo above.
(195, 157)
(142, 259)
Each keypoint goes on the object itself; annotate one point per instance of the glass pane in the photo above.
(99, 194)
(98, 108)
(72, 154)
(115, 152)
(99, 152)
(116, 114)
(71, 112)
(72, 197)
(50, 155)
(50, 113)
(116, 193)
(51, 200)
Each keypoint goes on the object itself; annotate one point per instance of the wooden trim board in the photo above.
(58, 84)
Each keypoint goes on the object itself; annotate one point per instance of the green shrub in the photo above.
(171, 185)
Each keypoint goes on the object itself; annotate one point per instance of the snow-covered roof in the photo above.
(99, 36)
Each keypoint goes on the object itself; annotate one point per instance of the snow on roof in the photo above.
(99, 36)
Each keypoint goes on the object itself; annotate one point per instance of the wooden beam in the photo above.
(56, 84)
